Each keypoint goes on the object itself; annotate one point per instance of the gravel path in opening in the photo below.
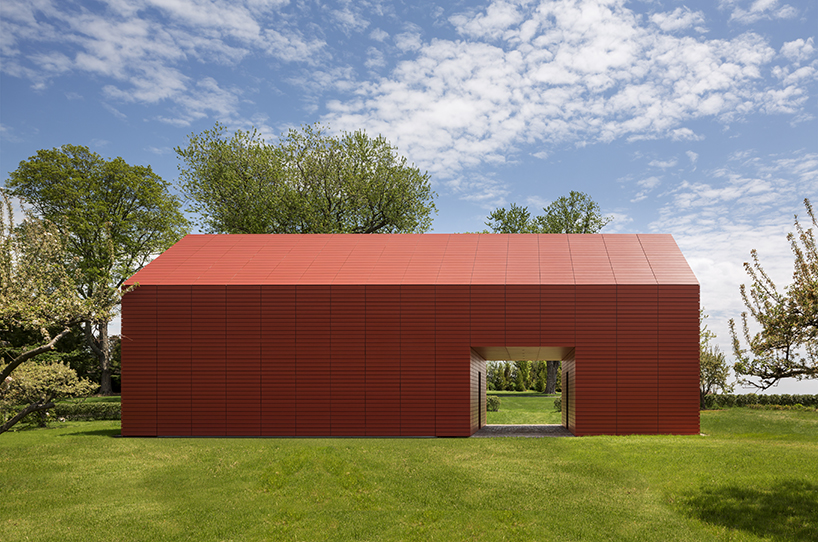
(529, 431)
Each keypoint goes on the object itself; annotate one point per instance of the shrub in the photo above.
(751, 399)
(87, 411)
(38, 385)
(492, 403)
(558, 404)
(726, 401)
(806, 400)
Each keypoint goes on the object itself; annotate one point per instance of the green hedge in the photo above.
(492, 403)
(87, 411)
(751, 399)
(558, 404)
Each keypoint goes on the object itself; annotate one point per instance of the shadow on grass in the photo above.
(784, 512)
(96, 433)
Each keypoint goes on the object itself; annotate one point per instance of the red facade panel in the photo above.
(558, 315)
(522, 315)
(209, 354)
(313, 366)
(678, 359)
(417, 360)
(636, 359)
(173, 361)
(139, 374)
(243, 367)
(278, 362)
(589, 258)
(487, 308)
(490, 260)
(523, 260)
(457, 264)
(452, 360)
(348, 357)
(594, 372)
(556, 266)
(383, 360)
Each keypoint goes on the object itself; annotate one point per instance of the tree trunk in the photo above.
(33, 407)
(551, 376)
(34, 352)
(100, 346)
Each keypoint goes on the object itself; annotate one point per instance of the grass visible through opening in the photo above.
(522, 408)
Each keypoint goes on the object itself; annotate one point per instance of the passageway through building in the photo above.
(519, 353)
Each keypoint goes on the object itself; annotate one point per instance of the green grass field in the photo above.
(524, 407)
(754, 476)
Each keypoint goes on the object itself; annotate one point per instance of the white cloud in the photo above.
(374, 58)
(144, 46)
(8, 134)
(798, 50)
(692, 156)
(647, 186)
(497, 19)
(678, 19)
(349, 21)
(205, 100)
(620, 221)
(747, 203)
(408, 41)
(562, 72)
(379, 35)
(751, 11)
(663, 164)
(535, 203)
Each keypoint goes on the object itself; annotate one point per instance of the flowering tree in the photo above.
(787, 344)
(37, 293)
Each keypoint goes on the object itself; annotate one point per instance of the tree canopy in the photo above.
(575, 213)
(786, 346)
(115, 218)
(310, 182)
(38, 295)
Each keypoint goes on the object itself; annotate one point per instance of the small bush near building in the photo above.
(86, 411)
(492, 403)
(558, 404)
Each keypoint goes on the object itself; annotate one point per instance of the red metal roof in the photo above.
(420, 259)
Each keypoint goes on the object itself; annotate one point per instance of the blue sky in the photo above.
(692, 118)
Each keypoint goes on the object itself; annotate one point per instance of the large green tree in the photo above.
(575, 213)
(786, 343)
(39, 305)
(115, 216)
(310, 182)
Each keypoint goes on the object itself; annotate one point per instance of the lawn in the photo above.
(524, 407)
(754, 476)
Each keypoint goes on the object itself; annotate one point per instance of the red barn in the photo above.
(388, 335)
